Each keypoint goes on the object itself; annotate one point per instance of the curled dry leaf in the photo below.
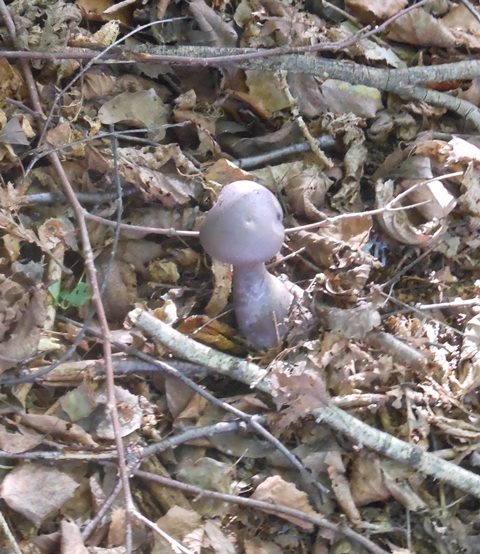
(277, 491)
(22, 315)
(222, 274)
(398, 224)
(37, 491)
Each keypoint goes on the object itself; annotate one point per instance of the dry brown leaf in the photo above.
(341, 486)
(72, 542)
(12, 84)
(22, 440)
(222, 274)
(163, 271)
(210, 331)
(116, 529)
(129, 414)
(58, 428)
(420, 28)
(214, 30)
(37, 491)
(97, 84)
(178, 522)
(224, 172)
(96, 9)
(22, 315)
(277, 491)
(142, 108)
(378, 9)
(14, 133)
(464, 27)
(353, 323)
(265, 90)
(366, 481)
(398, 224)
(341, 97)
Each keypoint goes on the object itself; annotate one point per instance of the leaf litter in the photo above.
(388, 326)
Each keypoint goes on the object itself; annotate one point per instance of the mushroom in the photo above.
(244, 228)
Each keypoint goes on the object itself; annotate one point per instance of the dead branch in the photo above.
(337, 419)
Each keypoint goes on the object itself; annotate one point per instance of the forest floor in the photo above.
(134, 416)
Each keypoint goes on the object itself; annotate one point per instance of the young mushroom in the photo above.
(244, 228)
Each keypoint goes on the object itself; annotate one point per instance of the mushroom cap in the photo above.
(244, 226)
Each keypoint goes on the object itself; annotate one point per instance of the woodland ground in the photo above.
(134, 417)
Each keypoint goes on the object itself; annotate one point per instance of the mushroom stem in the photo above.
(244, 228)
(261, 303)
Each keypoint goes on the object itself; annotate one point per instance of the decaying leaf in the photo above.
(379, 9)
(222, 274)
(419, 28)
(72, 542)
(22, 314)
(142, 108)
(37, 491)
(210, 331)
(129, 414)
(58, 428)
(22, 440)
(277, 491)
(341, 97)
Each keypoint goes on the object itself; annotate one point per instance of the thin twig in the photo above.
(276, 509)
(9, 535)
(101, 513)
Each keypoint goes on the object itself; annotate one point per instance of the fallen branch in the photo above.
(334, 417)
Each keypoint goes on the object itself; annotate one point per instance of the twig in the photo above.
(384, 209)
(9, 535)
(471, 8)
(192, 434)
(458, 303)
(325, 162)
(104, 508)
(277, 509)
(337, 419)
(174, 544)
(253, 162)
(150, 230)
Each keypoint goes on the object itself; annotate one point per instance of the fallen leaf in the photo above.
(36, 491)
(141, 108)
(277, 491)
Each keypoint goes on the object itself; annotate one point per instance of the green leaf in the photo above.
(77, 297)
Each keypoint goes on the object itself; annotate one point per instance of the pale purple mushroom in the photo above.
(244, 228)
